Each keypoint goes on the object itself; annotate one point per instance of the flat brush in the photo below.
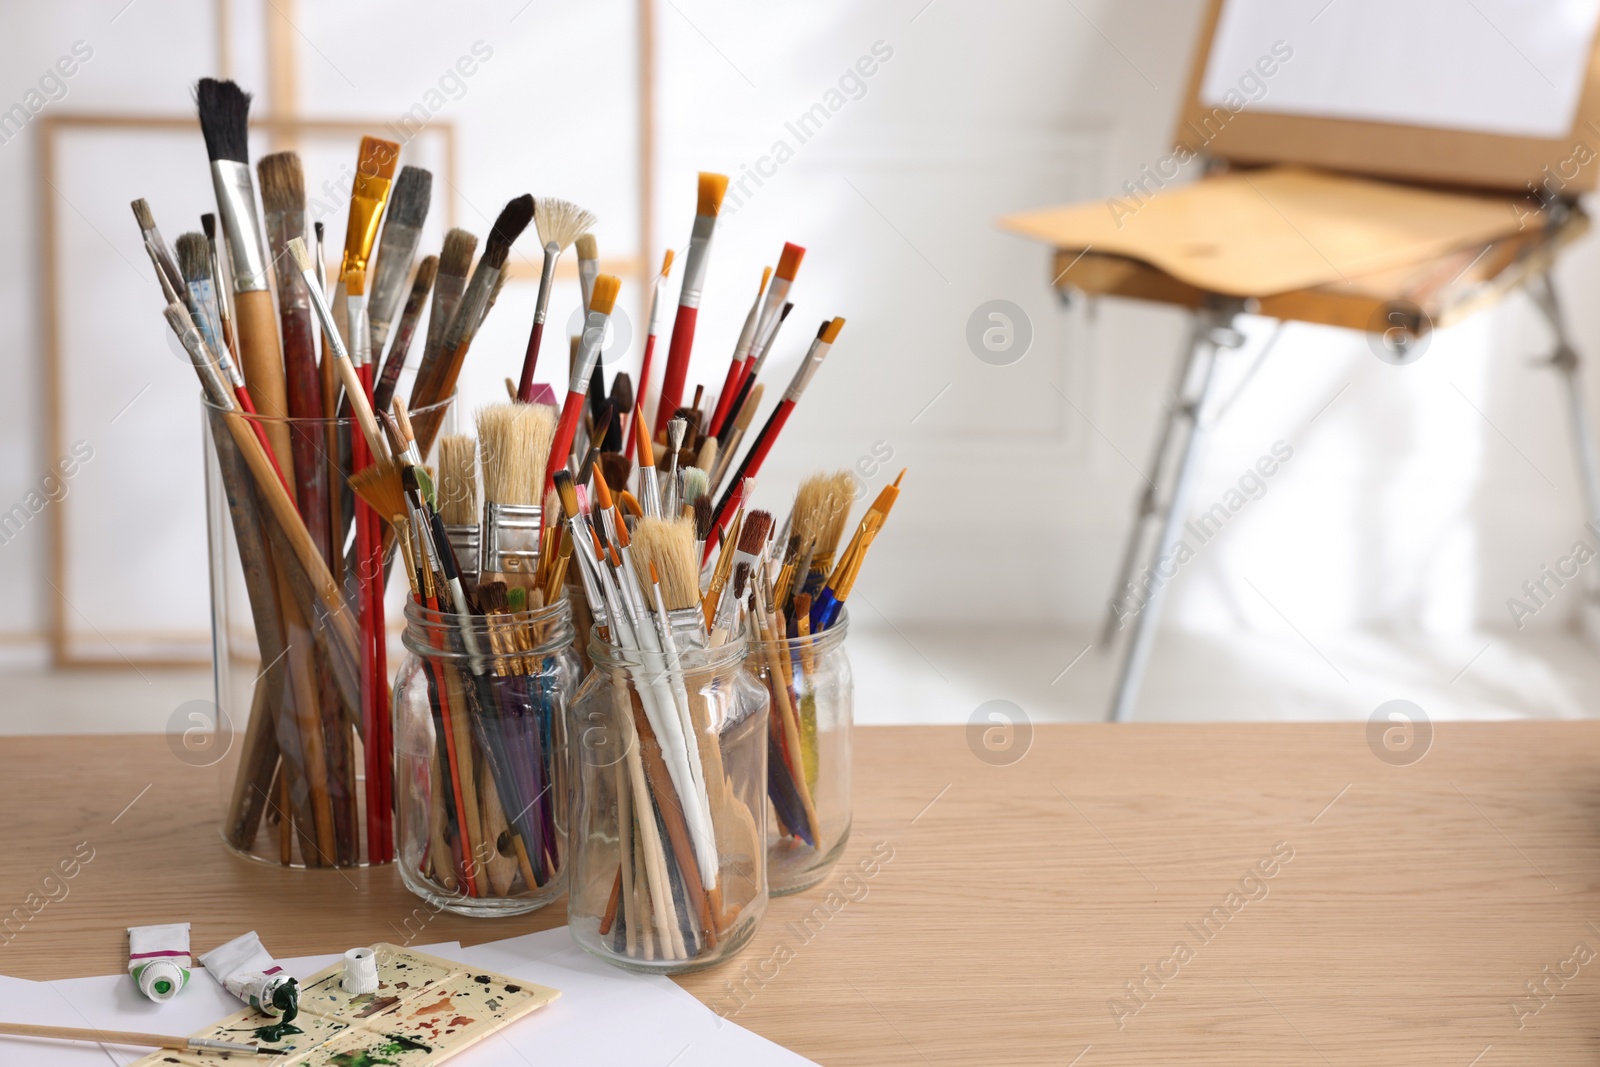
(514, 439)
(394, 363)
(656, 286)
(486, 278)
(194, 263)
(588, 271)
(458, 500)
(753, 459)
(741, 351)
(710, 193)
(369, 192)
(397, 249)
(600, 306)
(558, 223)
(455, 264)
(825, 610)
(224, 122)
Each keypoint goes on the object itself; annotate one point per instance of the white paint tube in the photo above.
(246, 970)
(159, 960)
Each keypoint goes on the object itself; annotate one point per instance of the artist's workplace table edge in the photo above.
(1016, 901)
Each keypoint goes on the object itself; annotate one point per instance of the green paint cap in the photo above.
(161, 979)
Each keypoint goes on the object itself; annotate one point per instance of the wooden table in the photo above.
(1013, 908)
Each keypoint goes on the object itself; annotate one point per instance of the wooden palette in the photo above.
(425, 1010)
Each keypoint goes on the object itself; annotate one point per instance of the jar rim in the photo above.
(827, 640)
(427, 624)
(439, 407)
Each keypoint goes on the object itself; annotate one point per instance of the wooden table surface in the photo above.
(1098, 901)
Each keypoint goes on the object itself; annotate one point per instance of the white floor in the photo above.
(944, 675)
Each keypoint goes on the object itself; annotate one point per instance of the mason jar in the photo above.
(668, 835)
(808, 759)
(480, 707)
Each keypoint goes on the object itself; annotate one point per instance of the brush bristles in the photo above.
(377, 157)
(458, 479)
(668, 546)
(821, 510)
(194, 257)
(830, 330)
(789, 261)
(753, 536)
(747, 413)
(283, 182)
(712, 188)
(380, 486)
(588, 248)
(147, 218)
(695, 483)
(224, 119)
(515, 442)
(514, 218)
(493, 597)
(604, 297)
(455, 259)
(666, 261)
(408, 200)
(621, 397)
(568, 493)
(298, 250)
(615, 469)
(560, 222)
(702, 517)
(355, 282)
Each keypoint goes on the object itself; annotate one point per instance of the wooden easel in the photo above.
(1381, 227)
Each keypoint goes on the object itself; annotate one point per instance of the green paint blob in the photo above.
(371, 1057)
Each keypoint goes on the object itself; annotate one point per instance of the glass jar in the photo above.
(302, 740)
(480, 709)
(669, 843)
(808, 759)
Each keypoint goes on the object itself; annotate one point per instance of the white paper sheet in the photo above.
(605, 1017)
(1494, 66)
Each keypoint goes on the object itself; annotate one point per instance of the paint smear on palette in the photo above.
(424, 1011)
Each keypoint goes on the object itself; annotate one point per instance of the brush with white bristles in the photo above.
(559, 223)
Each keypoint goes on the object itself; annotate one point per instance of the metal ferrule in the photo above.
(694, 264)
(807, 370)
(655, 305)
(747, 336)
(588, 271)
(325, 315)
(777, 293)
(194, 344)
(594, 334)
(388, 280)
(360, 330)
(236, 208)
(464, 542)
(510, 539)
(547, 277)
(203, 300)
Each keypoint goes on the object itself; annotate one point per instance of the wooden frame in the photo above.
(1376, 149)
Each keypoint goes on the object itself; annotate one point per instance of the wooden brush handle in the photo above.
(262, 362)
(107, 1037)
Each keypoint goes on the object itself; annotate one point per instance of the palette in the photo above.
(424, 1011)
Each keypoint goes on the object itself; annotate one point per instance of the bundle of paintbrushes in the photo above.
(310, 468)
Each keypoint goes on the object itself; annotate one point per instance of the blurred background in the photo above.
(887, 138)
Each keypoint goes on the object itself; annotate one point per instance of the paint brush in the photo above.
(148, 230)
(208, 223)
(340, 355)
(741, 352)
(397, 248)
(458, 500)
(514, 440)
(194, 263)
(600, 306)
(752, 372)
(284, 200)
(558, 223)
(751, 464)
(486, 277)
(225, 123)
(455, 263)
(138, 1040)
(656, 285)
(369, 192)
(736, 431)
(825, 609)
(710, 193)
(394, 363)
(588, 250)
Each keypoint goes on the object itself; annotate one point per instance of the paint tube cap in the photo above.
(360, 971)
(160, 980)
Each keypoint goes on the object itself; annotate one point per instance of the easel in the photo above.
(1397, 260)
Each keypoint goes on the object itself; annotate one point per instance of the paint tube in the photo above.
(246, 970)
(159, 960)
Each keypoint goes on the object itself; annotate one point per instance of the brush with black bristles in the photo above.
(397, 248)
(394, 363)
(225, 123)
(513, 219)
(559, 223)
(219, 277)
(621, 402)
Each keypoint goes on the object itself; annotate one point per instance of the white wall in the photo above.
(1402, 505)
